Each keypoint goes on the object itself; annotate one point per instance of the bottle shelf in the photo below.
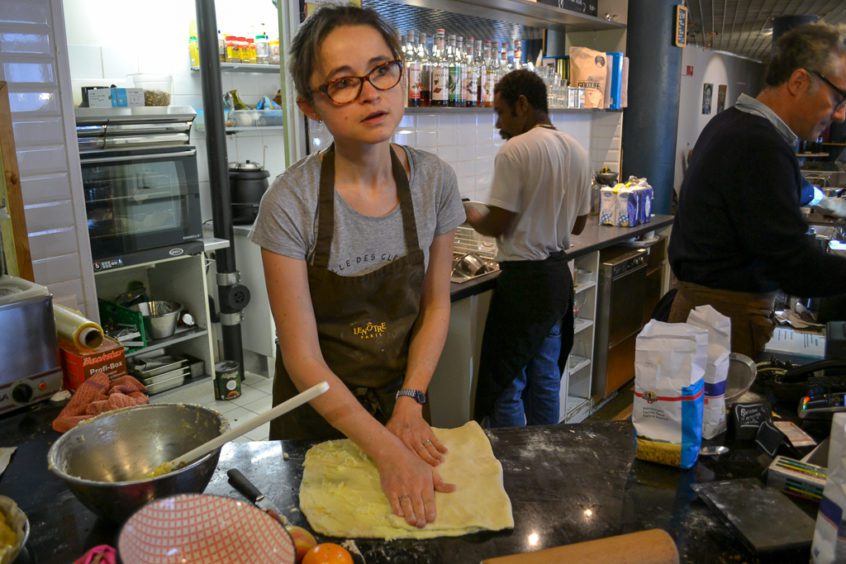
(453, 109)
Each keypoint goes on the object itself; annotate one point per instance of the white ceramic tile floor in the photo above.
(255, 398)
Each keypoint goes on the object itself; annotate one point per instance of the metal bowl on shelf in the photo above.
(160, 317)
(107, 461)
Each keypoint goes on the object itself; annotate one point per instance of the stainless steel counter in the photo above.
(594, 237)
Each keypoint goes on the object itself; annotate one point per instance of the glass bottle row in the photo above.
(462, 73)
(454, 72)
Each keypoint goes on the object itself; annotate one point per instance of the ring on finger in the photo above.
(427, 442)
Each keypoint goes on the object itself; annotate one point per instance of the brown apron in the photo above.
(364, 322)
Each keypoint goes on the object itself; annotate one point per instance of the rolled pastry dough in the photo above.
(342, 497)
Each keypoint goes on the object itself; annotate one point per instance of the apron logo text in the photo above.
(371, 330)
(348, 263)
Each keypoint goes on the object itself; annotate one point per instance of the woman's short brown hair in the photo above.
(306, 44)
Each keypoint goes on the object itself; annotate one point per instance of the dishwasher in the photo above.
(619, 315)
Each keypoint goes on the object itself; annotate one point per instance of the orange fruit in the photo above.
(328, 553)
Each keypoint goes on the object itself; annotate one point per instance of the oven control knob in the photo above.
(22, 393)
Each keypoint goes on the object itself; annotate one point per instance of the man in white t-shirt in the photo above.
(540, 195)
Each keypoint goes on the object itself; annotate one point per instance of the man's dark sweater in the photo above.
(738, 225)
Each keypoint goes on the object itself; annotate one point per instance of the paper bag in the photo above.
(670, 360)
(716, 371)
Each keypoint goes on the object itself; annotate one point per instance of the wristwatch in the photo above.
(419, 396)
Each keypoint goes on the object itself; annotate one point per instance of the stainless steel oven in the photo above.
(619, 313)
(139, 175)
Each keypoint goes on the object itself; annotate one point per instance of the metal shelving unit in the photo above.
(575, 395)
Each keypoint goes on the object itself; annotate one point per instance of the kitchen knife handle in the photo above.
(244, 485)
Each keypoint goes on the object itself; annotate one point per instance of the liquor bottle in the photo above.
(518, 55)
(472, 69)
(504, 67)
(440, 71)
(412, 66)
(425, 71)
(488, 77)
(456, 65)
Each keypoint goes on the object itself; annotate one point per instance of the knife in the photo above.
(246, 488)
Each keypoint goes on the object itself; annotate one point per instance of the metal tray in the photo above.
(153, 366)
(162, 384)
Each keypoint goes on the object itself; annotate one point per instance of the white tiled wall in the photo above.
(469, 141)
(33, 61)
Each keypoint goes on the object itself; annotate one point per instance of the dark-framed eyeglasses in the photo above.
(841, 103)
(348, 88)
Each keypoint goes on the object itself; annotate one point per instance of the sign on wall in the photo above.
(680, 35)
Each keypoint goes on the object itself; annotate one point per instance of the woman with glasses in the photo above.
(357, 250)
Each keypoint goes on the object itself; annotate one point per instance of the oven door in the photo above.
(139, 199)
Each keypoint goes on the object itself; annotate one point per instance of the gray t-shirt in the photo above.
(287, 218)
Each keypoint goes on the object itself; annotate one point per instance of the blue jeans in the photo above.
(533, 397)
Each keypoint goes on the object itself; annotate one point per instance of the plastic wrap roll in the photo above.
(81, 331)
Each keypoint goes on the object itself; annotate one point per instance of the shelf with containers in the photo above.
(181, 280)
(246, 67)
(575, 394)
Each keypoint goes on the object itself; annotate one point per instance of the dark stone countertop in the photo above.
(593, 238)
(567, 483)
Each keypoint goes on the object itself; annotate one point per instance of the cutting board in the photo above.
(765, 518)
(653, 546)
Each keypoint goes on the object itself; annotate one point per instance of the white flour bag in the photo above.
(716, 371)
(829, 544)
(670, 361)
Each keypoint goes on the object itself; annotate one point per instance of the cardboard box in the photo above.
(100, 98)
(127, 97)
(115, 97)
(78, 365)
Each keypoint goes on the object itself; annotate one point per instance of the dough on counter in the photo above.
(342, 497)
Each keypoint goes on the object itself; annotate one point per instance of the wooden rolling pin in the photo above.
(654, 546)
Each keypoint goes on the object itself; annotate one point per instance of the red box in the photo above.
(78, 365)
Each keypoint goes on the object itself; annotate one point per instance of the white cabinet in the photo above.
(453, 388)
(576, 379)
(182, 280)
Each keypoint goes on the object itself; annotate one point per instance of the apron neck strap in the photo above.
(326, 206)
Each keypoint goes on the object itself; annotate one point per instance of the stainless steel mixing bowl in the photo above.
(104, 461)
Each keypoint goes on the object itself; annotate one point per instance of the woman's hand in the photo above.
(410, 485)
(408, 424)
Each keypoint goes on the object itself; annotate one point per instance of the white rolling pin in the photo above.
(251, 424)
